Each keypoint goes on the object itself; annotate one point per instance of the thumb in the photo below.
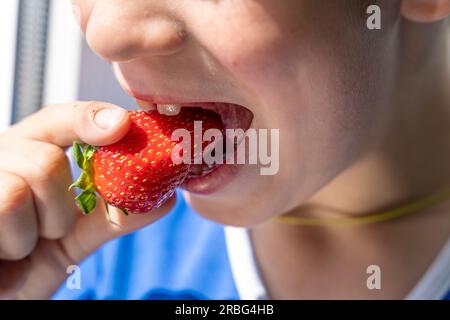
(97, 228)
(94, 123)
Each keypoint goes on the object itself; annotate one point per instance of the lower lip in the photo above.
(212, 182)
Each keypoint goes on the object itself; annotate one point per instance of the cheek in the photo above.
(247, 46)
(256, 59)
(261, 62)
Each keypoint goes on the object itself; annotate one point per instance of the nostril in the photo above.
(127, 41)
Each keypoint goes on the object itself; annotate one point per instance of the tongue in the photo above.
(200, 170)
(232, 117)
(196, 170)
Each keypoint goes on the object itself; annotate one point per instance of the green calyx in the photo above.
(87, 199)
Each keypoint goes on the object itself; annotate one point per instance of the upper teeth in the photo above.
(169, 109)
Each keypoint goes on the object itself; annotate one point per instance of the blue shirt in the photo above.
(181, 256)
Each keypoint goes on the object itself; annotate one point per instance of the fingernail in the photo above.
(107, 118)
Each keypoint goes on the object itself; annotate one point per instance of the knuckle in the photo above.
(52, 233)
(58, 229)
(18, 242)
(51, 160)
(14, 195)
(20, 249)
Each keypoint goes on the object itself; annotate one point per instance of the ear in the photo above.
(425, 10)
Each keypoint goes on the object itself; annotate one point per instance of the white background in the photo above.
(73, 71)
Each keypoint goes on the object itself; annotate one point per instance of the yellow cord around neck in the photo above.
(407, 209)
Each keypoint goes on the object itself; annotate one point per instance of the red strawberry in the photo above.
(137, 173)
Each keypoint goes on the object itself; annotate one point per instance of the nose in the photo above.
(120, 35)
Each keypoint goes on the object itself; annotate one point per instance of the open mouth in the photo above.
(233, 117)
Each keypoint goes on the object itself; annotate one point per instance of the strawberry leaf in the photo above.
(84, 182)
(78, 154)
(88, 154)
(86, 201)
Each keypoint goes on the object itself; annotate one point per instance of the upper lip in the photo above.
(157, 96)
(166, 99)
(151, 100)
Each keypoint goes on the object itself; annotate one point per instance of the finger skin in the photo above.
(50, 260)
(93, 230)
(13, 275)
(61, 124)
(34, 150)
(46, 171)
(18, 223)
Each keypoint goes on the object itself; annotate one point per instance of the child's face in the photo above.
(309, 68)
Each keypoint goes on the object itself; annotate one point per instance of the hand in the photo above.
(42, 231)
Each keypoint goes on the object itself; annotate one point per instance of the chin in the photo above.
(237, 215)
(240, 208)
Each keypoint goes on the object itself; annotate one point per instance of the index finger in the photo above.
(95, 123)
